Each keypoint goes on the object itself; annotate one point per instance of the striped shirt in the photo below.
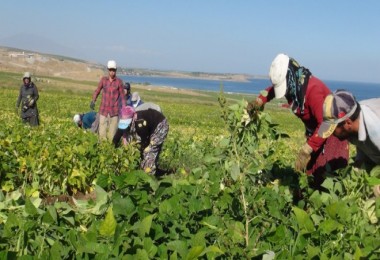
(112, 92)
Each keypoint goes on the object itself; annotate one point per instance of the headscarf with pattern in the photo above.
(297, 79)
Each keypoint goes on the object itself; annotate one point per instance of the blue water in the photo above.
(254, 86)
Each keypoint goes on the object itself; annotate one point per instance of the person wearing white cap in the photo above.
(89, 120)
(305, 94)
(28, 97)
(357, 122)
(136, 100)
(112, 96)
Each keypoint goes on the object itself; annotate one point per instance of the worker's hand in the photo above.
(303, 157)
(376, 191)
(254, 107)
(147, 149)
(31, 102)
(92, 105)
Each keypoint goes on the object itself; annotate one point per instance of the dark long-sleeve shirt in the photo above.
(144, 126)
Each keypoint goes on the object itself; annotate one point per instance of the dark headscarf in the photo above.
(297, 79)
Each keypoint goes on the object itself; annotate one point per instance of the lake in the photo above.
(361, 90)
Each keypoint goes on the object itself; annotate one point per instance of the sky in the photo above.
(336, 40)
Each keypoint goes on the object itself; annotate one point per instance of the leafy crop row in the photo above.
(232, 192)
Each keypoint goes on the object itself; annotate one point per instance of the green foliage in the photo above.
(230, 194)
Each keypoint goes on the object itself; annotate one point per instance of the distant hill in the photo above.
(43, 64)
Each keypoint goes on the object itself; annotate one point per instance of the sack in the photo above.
(148, 105)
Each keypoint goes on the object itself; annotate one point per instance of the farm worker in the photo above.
(305, 94)
(150, 127)
(127, 95)
(28, 97)
(89, 120)
(136, 100)
(357, 122)
(113, 92)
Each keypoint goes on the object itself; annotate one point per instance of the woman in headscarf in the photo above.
(305, 94)
(149, 127)
(28, 97)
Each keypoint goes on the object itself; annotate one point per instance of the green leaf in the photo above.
(199, 239)
(2, 197)
(312, 251)
(235, 171)
(358, 253)
(375, 172)
(372, 181)
(12, 221)
(108, 225)
(30, 209)
(315, 198)
(236, 231)
(234, 107)
(212, 249)
(145, 225)
(224, 142)
(149, 247)
(211, 159)
(123, 206)
(328, 184)
(50, 216)
(304, 221)
(70, 220)
(178, 246)
(100, 202)
(330, 225)
(339, 210)
(15, 195)
(194, 252)
(142, 254)
(279, 236)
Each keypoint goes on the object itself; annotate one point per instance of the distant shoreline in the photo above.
(190, 75)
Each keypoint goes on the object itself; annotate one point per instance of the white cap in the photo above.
(76, 119)
(277, 74)
(135, 96)
(26, 75)
(111, 64)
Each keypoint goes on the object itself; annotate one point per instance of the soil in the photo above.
(50, 200)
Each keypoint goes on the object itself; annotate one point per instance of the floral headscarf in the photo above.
(297, 79)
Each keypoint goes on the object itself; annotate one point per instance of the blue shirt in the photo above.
(88, 119)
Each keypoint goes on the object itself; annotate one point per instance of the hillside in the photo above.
(39, 64)
(42, 64)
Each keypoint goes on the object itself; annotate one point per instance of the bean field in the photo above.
(228, 189)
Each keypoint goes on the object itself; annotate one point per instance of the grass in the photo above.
(190, 112)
